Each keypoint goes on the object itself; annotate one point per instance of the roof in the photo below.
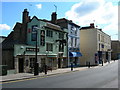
(49, 24)
(9, 41)
(17, 25)
(53, 26)
(87, 27)
(67, 21)
(3, 37)
(46, 20)
(115, 41)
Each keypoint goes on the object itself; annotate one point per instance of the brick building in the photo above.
(19, 47)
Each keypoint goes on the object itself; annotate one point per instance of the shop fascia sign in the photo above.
(32, 49)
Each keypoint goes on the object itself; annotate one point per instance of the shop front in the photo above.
(74, 58)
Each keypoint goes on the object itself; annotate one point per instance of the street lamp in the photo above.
(36, 63)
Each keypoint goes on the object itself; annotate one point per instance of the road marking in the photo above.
(21, 80)
(41, 76)
(36, 77)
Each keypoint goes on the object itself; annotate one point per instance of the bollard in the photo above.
(45, 69)
(102, 62)
(71, 66)
(89, 65)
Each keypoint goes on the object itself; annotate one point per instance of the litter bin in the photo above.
(3, 69)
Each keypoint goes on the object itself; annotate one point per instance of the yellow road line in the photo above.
(37, 77)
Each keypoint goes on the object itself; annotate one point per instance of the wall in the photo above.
(20, 49)
(104, 39)
(52, 40)
(115, 49)
(8, 61)
(88, 45)
(71, 34)
(104, 44)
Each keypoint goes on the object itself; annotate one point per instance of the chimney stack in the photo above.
(25, 16)
(54, 18)
(92, 25)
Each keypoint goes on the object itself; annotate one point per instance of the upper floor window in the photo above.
(99, 47)
(49, 47)
(99, 37)
(33, 34)
(61, 36)
(76, 31)
(72, 30)
(61, 47)
(71, 42)
(49, 33)
(75, 42)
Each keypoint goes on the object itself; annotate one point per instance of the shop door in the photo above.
(21, 65)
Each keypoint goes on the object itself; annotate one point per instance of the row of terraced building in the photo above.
(60, 42)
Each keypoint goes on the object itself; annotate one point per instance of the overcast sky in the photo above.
(104, 13)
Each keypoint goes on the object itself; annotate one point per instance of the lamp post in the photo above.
(36, 63)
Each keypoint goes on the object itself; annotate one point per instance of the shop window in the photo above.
(27, 62)
(32, 62)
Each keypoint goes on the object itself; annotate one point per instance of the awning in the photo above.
(75, 54)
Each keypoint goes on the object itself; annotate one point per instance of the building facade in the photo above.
(51, 45)
(115, 44)
(73, 40)
(95, 45)
(2, 38)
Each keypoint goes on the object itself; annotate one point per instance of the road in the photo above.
(100, 77)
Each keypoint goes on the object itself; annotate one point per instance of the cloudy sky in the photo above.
(104, 13)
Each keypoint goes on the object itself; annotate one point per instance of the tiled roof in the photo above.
(53, 26)
(67, 21)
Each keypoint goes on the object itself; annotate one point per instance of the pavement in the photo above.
(20, 76)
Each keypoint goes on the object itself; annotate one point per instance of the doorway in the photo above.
(21, 65)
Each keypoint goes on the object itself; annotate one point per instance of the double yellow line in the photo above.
(33, 78)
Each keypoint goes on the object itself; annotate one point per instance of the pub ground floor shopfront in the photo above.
(24, 59)
(25, 63)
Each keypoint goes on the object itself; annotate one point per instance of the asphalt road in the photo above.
(100, 77)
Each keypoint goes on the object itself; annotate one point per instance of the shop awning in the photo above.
(75, 54)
